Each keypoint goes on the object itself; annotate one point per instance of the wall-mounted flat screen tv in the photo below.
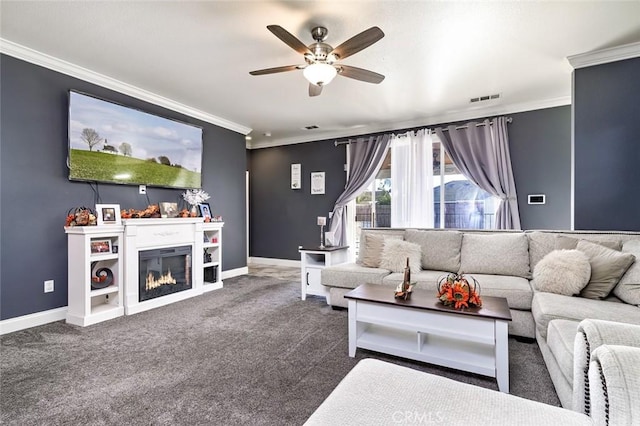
(117, 144)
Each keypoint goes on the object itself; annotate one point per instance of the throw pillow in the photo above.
(628, 289)
(440, 249)
(568, 243)
(395, 254)
(607, 267)
(496, 253)
(371, 248)
(562, 272)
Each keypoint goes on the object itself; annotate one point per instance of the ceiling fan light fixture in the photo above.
(319, 74)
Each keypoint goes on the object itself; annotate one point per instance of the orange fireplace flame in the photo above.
(165, 279)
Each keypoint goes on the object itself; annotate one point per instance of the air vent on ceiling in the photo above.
(485, 98)
(312, 127)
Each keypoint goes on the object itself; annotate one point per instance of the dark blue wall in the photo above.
(281, 219)
(607, 146)
(540, 143)
(36, 192)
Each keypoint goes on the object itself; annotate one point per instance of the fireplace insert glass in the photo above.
(164, 271)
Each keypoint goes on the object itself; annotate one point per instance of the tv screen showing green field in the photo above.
(116, 144)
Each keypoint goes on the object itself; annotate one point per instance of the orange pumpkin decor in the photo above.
(455, 290)
(80, 216)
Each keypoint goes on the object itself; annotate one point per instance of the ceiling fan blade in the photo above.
(291, 40)
(275, 70)
(358, 42)
(360, 74)
(314, 90)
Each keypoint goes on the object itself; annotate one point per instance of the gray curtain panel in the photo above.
(481, 153)
(365, 159)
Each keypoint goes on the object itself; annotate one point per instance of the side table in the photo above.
(313, 260)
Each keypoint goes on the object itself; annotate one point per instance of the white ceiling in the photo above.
(435, 56)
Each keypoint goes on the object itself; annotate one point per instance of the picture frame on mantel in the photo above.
(168, 209)
(100, 246)
(108, 214)
(205, 210)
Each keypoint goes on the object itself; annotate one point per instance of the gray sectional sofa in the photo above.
(504, 263)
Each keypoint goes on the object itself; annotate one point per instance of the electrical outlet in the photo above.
(48, 286)
(142, 189)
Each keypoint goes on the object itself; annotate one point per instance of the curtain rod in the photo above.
(509, 120)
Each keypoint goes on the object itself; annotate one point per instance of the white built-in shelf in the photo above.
(87, 306)
(107, 290)
(212, 245)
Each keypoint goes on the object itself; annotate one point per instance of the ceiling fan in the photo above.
(321, 59)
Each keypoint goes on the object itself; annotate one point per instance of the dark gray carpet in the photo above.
(252, 353)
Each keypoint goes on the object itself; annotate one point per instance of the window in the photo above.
(459, 201)
(372, 208)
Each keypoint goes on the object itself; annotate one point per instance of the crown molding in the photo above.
(38, 58)
(468, 114)
(604, 56)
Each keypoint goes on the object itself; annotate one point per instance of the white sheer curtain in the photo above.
(412, 180)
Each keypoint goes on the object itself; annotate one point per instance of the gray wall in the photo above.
(36, 193)
(607, 146)
(281, 219)
(540, 143)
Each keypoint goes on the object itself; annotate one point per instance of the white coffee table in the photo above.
(423, 329)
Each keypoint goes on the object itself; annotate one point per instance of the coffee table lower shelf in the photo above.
(452, 353)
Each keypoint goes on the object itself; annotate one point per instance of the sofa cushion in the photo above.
(351, 275)
(440, 249)
(607, 267)
(516, 290)
(562, 272)
(371, 246)
(561, 335)
(628, 289)
(395, 254)
(499, 254)
(546, 307)
(425, 280)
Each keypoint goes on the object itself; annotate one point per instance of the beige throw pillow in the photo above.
(569, 243)
(562, 272)
(628, 289)
(607, 267)
(371, 248)
(395, 254)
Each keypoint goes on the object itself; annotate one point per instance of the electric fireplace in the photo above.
(164, 271)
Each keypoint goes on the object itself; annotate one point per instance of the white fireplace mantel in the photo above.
(148, 234)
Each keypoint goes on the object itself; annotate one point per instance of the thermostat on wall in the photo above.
(537, 199)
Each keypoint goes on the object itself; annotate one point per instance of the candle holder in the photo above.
(322, 221)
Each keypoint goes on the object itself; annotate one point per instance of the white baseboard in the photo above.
(235, 272)
(45, 317)
(32, 320)
(274, 262)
